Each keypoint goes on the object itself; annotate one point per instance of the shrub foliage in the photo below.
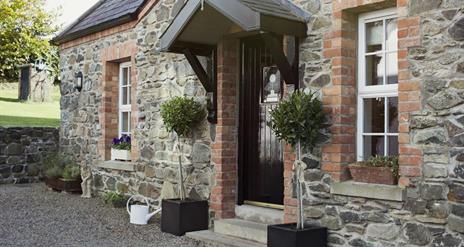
(298, 118)
(182, 114)
(61, 166)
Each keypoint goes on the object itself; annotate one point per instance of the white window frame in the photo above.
(375, 91)
(127, 107)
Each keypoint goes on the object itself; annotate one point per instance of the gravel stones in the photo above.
(34, 216)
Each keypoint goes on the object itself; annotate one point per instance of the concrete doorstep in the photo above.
(212, 239)
(233, 233)
(249, 229)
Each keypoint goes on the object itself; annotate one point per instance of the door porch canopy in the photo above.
(201, 24)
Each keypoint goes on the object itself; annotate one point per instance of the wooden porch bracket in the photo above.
(199, 70)
(208, 80)
(290, 72)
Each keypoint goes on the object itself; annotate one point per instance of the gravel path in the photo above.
(31, 215)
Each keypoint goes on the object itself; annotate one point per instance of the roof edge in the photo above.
(62, 34)
(94, 29)
(64, 37)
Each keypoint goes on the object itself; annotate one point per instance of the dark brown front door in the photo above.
(260, 160)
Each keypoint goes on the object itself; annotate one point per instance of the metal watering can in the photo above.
(140, 214)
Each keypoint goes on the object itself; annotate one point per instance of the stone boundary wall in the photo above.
(22, 151)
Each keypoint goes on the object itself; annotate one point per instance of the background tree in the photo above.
(25, 30)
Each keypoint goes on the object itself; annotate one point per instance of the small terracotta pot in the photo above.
(59, 184)
(372, 175)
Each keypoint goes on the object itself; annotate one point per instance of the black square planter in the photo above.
(286, 235)
(179, 217)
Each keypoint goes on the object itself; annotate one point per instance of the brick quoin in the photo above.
(108, 112)
(224, 148)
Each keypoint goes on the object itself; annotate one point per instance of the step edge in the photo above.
(236, 242)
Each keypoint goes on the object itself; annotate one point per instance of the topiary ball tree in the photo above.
(182, 115)
(298, 120)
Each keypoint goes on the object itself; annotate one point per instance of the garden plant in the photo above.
(297, 120)
(182, 115)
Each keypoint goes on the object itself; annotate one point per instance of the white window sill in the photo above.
(372, 191)
(117, 165)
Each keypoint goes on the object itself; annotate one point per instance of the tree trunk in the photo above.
(300, 216)
(181, 176)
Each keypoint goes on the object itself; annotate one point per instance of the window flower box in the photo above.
(121, 148)
(372, 175)
(120, 155)
(376, 170)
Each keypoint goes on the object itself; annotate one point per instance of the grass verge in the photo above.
(14, 113)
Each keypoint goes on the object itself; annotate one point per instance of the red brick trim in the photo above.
(224, 148)
(408, 94)
(99, 35)
(290, 203)
(340, 97)
(108, 113)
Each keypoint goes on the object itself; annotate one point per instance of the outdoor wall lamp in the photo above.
(79, 81)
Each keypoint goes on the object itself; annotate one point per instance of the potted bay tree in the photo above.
(298, 120)
(181, 115)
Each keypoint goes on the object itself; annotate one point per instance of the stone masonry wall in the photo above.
(431, 75)
(432, 134)
(159, 77)
(22, 151)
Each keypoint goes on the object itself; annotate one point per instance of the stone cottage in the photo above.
(390, 74)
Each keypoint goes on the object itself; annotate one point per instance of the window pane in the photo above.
(125, 122)
(124, 96)
(392, 36)
(374, 115)
(393, 115)
(374, 36)
(374, 70)
(393, 145)
(124, 76)
(129, 129)
(129, 95)
(373, 145)
(392, 68)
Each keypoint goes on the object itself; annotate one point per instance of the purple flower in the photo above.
(116, 141)
(125, 138)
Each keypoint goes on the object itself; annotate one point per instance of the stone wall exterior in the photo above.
(22, 151)
(431, 113)
(87, 119)
(431, 110)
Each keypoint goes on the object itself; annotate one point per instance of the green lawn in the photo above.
(28, 114)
